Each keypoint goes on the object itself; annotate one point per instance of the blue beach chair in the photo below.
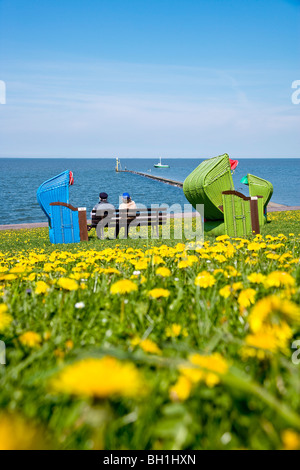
(67, 224)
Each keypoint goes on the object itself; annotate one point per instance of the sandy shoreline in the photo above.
(272, 207)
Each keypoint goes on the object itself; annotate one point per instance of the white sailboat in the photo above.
(161, 165)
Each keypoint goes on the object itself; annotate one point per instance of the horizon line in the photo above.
(143, 158)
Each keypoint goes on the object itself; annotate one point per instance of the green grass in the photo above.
(254, 404)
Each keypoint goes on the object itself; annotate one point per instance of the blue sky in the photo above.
(141, 78)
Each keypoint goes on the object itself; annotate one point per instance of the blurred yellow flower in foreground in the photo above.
(278, 279)
(272, 306)
(261, 344)
(290, 439)
(5, 318)
(67, 284)
(30, 339)
(125, 286)
(215, 362)
(208, 369)
(17, 434)
(99, 378)
(269, 327)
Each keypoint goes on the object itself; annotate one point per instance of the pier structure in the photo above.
(178, 184)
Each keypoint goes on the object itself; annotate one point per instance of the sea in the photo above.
(21, 177)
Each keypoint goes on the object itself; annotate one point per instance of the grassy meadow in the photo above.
(147, 344)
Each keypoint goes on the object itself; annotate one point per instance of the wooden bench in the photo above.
(128, 218)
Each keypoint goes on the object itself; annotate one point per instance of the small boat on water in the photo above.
(161, 165)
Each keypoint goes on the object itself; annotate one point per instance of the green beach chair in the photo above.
(243, 215)
(206, 185)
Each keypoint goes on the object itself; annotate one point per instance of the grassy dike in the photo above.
(145, 344)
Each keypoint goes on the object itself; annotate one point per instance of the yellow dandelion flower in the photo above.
(205, 279)
(209, 369)
(175, 330)
(69, 344)
(246, 297)
(125, 286)
(31, 277)
(141, 265)
(220, 258)
(149, 346)
(267, 307)
(18, 270)
(256, 278)
(256, 246)
(222, 238)
(260, 345)
(181, 390)
(225, 292)
(67, 284)
(41, 287)
(30, 339)
(218, 271)
(278, 279)
(99, 378)
(110, 271)
(237, 286)
(159, 292)
(5, 318)
(183, 264)
(157, 260)
(290, 439)
(18, 434)
(10, 277)
(215, 362)
(163, 272)
(273, 256)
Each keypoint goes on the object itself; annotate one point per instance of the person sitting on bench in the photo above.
(105, 210)
(127, 203)
(103, 204)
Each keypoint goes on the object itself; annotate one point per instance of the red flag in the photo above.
(233, 164)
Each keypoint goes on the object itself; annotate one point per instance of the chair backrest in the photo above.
(55, 189)
(206, 184)
(260, 187)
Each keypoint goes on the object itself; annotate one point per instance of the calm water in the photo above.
(20, 178)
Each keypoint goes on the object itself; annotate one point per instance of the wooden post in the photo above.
(254, 215)
(82, 224)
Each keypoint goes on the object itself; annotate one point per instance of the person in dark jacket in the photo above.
(103, 204)
(106, 211)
